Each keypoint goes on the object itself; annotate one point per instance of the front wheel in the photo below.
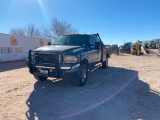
(129, 51)
(105, 64)
(82, 75)
(40, 78)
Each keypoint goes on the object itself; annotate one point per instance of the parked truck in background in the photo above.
(152, 44)
(126, 48)
(70, 56)
(115, 49)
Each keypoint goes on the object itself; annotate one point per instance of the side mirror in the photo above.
(49, 43)
(97, 45)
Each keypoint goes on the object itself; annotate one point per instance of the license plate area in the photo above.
(45, 72)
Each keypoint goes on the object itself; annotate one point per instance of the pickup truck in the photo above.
(72, 56)
(126, 48)
(115, 49)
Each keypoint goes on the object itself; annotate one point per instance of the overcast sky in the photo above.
(115, 20)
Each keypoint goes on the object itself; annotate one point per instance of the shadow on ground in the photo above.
(12, 65)
(113, 93)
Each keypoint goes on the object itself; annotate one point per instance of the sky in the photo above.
(115, 20)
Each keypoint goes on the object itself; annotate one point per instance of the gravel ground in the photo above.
(128, 90)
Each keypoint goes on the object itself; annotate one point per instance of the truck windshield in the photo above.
(75, 40)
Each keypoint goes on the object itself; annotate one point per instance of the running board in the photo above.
(95, 68)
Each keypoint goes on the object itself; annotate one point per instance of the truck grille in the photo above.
(44, 58)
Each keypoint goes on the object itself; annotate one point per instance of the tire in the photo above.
(40, 78)
(81, 76)
(118, 52)
(129, 51)
(122, 51)
(105, 64)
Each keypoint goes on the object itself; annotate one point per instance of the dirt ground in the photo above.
(128, 90)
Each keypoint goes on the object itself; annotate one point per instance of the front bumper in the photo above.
(64, 71)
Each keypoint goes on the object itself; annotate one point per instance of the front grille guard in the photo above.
(55, 63)
(43, 58)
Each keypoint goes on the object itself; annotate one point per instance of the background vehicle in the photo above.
(126, 48)
(69, 56)
(109, 49)
(115, 49)
(136, 49)
(157, 45)
(152, 45)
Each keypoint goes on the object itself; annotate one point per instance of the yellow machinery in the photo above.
(136, 49)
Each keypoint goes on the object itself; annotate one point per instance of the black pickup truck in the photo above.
(70, 56)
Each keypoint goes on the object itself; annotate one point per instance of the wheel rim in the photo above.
(83, 75)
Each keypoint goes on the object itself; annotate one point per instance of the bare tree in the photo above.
(17, 31)
(58, 28)
(32, 31)
(29, 30)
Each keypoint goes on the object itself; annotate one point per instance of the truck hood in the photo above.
(61, 48)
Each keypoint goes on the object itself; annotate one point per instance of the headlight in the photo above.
(70, 59)
(33, 56)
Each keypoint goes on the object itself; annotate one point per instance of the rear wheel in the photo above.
(105, 63)
(81, 77)
(40, 78)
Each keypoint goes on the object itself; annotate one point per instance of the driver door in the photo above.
(94, 55)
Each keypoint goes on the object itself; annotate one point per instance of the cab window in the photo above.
(97, 40)
(92, 41)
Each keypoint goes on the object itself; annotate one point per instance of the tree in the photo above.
(29, 30)
(57, 28)
(32, 31)
(17, 31)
